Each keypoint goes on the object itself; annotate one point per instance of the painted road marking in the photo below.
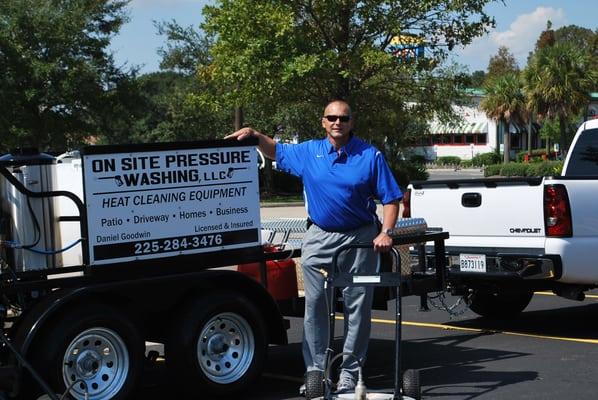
(588, 296)
(484, 331)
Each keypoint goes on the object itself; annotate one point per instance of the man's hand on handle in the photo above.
(382, 242)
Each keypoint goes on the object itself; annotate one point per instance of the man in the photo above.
(342, 175)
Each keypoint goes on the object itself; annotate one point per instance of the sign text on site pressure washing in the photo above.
(163, 203)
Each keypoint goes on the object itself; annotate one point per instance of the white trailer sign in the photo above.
(163, 203)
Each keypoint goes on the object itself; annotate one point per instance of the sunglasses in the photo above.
(333, 118)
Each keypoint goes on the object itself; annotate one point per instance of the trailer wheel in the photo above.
(218, 344)
(499, 303)
(314, 384)
(411, 384)
(95, 351)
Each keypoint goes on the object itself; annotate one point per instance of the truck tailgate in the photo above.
(482, 208)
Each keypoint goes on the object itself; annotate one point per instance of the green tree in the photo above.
(283, 60)
(582, 38)
(547, 37)
(505, 103)
(58, 79)
(557, 83)
(501, 63)
(186, 48)
(477, 79)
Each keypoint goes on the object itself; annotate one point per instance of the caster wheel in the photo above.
(411, 385)
(314, 384)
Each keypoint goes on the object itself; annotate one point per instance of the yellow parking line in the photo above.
(485, 331)
(589, 296)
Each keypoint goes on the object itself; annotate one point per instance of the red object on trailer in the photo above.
(281, 279)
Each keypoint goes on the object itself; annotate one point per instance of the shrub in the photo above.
(492, 169)
(465, 164)
(417, 159)
(283, 182)
(546, 168)
(513, 169)
(448, 160)
(486, 159)
(405, 172)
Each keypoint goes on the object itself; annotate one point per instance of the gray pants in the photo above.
(318, 248)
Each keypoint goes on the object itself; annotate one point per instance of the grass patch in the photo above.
(280, 198)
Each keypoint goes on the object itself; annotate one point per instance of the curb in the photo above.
(283, 204)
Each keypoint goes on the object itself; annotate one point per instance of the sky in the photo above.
(518, 25)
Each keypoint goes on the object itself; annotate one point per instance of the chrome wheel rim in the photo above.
(96, 362)
(225, 348)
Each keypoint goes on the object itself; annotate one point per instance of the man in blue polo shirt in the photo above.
(342, 176)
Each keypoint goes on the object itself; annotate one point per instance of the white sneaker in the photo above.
(345, 384)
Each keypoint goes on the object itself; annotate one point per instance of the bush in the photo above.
(513, 169)
(282, 182)
(448, 160)
(492, 170)
(417, 159)
(486, 159)
(465, 164)
(406, 172)
(546, 168)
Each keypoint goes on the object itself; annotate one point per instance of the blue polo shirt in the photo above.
(339, 187)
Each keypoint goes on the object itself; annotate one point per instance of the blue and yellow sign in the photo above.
(407, 47)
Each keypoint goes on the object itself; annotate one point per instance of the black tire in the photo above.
(94, 339)
(411, 385)
(314, 384)
(499, 303)
(218, 345)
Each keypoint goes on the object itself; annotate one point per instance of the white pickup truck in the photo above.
(510, 237)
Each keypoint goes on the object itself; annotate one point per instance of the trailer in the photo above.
(105, 250)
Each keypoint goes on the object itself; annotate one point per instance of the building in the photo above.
(476, 134)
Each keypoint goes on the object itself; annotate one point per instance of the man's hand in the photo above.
(266, 145)
(241, 134)
(382, 242)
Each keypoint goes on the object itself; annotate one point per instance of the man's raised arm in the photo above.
(266, 144)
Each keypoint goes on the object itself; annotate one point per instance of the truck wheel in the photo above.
(500, 303)
(218, 344)
(95, 351)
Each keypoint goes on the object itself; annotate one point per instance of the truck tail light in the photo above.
(407, 204)
(557, 212)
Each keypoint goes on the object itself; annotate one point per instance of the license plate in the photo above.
(472, 262)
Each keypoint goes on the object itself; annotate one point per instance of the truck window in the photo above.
(584, 160)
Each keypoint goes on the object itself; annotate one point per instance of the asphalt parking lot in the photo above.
(549, 352)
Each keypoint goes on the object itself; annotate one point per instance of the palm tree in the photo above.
(504, 103)
(557, 82)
